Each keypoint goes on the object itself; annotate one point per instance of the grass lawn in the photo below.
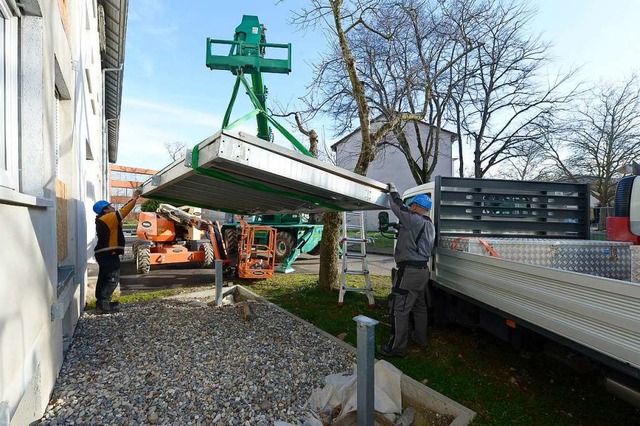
(471, 367)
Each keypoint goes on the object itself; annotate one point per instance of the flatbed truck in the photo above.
(529, 301)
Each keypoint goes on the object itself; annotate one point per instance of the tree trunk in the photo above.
(328, 273)
(328, 277)
(602, 222)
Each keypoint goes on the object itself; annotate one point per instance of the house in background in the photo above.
(62, 77)
(390, 164)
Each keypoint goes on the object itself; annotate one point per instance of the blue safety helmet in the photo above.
(99, 206)
(422, 200)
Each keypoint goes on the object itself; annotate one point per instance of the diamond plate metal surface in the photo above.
(608, 259)
(635, 264)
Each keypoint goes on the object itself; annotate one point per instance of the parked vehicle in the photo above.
(515, 258)
(180, 235)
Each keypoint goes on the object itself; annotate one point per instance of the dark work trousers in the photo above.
(408, 296)
(108, 275)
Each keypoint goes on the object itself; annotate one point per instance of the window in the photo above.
(8, 97)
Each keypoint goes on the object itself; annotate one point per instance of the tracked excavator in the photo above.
(179, 235)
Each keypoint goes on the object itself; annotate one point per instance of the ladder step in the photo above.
(355, 255)
(355, 240)
(357, 289)
(355, 272)
(353, 249)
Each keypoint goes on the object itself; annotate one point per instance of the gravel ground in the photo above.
(186, 363)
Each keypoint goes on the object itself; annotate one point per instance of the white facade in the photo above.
(51, 171)
(390, 164)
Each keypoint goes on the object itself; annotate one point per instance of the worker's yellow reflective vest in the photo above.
(109, 230)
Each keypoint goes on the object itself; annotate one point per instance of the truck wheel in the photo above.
(207, 248)
(231, 242)
(285, 244)
(143, 258)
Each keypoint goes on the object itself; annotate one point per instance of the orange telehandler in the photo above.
(174, 235)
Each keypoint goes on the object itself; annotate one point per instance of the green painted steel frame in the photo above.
(240, 63)
(246, 56)
(261, 113)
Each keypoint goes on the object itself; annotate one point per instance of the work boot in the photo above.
(114, 305)
(104, 307)
(385, 351)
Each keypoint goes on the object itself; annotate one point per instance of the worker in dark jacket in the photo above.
(413, 249)
(108, 250)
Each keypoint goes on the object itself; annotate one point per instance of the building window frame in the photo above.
(9, 145)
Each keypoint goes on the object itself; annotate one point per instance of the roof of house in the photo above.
(357, 129)
(112, 46)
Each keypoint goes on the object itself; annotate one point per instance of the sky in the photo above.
(169, 95)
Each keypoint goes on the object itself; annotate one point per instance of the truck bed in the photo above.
(598, 315)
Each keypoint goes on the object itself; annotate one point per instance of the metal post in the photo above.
(219, 281)
(366, 360)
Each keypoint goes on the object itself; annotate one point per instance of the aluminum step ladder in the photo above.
(354, 247)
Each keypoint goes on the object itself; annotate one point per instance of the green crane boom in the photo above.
(247, 57)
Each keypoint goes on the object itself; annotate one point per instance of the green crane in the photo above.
(247, 57)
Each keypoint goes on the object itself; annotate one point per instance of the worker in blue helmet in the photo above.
(414, 245)
(108, 249)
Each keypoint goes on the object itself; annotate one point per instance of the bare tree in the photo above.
(411, 72)
(353, 80)
(175, 149)
(328, 269)
(403, 72)
(341, 18)
(500, 104)
(333, 15)
(530, 163)
(600, 137)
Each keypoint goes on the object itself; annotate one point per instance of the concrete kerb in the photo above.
(412, 390)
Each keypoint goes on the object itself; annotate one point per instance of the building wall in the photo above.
(390, 165)
(44, 206)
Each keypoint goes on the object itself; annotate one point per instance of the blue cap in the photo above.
(422, 200)
(99, 206)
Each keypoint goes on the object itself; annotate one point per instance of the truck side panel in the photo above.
(517, 209)
(598, 313)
